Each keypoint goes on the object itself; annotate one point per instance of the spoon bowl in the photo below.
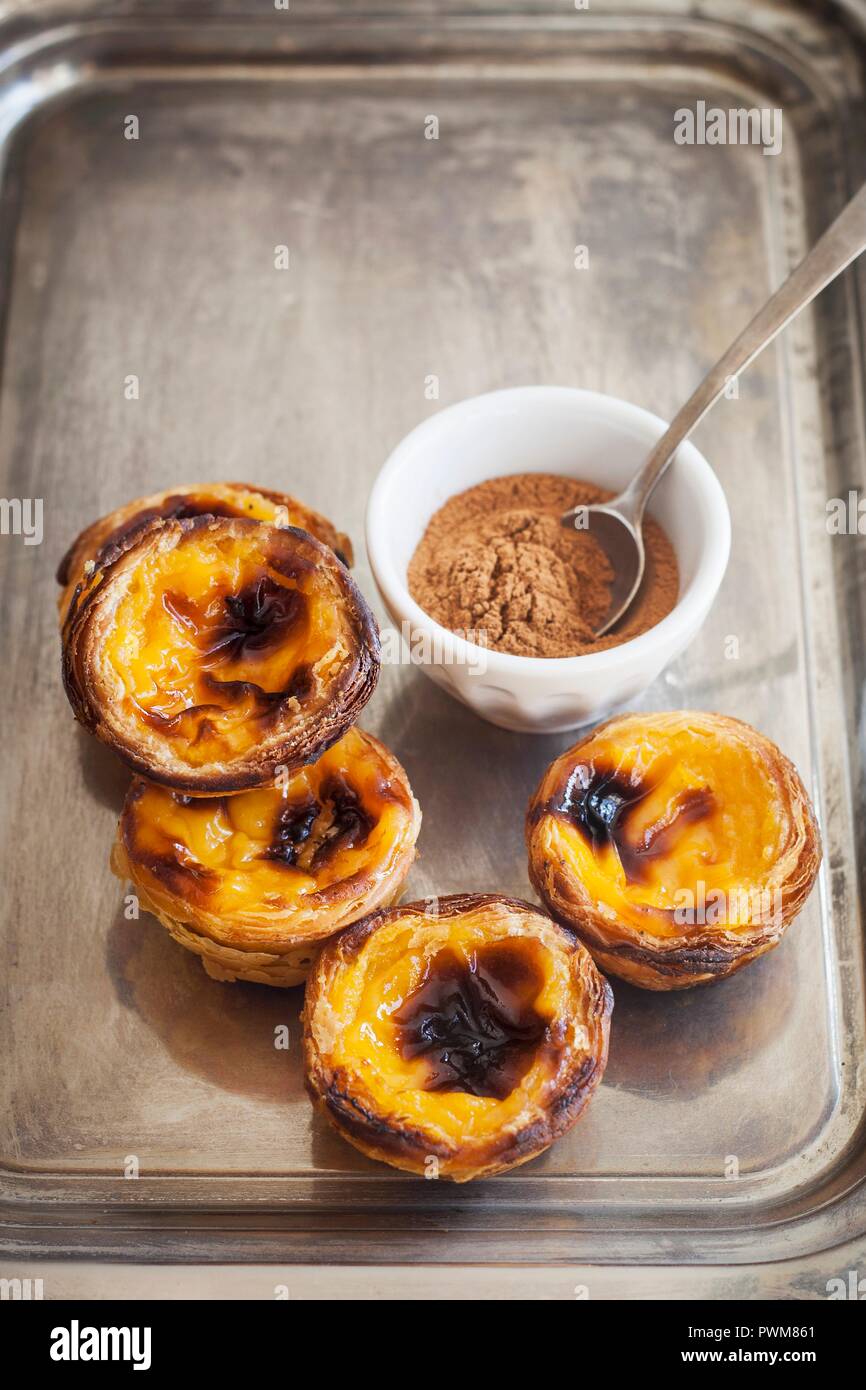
(622, 543)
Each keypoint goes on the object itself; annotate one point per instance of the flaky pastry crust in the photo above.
(180, 503)
(253, 883)
(213, 654)
(679, 846)
(456, 1037)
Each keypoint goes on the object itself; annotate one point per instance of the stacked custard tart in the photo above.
(214, 639)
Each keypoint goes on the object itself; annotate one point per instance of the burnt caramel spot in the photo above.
(254, 623)
(308, 833)
(600, 802)
(294, 826)
(474, 1020)
(350, 824)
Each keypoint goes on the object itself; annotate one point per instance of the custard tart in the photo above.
(212, 654)
(179, 503)
(253, 883)
(456, 1037)
(678, 846)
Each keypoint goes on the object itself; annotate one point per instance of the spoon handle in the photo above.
(840, 244)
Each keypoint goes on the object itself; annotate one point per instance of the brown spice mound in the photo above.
(495, 561)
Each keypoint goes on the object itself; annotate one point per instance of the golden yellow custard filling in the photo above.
(324, 838)
(450, 1025)
(656, 813)
(210, 637)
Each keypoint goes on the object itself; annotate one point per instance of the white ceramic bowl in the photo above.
(544, 429)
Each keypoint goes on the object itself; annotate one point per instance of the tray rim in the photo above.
(25, 1192)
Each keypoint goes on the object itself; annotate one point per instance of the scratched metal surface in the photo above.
(410, 257)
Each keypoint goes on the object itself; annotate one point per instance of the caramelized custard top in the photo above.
(656, 811)
(473, 1021)
(331, 826)
(461, 1020)
(216, 637)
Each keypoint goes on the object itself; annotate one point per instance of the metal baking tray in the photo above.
(730, 1126)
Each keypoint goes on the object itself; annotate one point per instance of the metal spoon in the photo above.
(618, 525)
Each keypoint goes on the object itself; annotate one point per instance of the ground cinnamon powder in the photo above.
(495, 560)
